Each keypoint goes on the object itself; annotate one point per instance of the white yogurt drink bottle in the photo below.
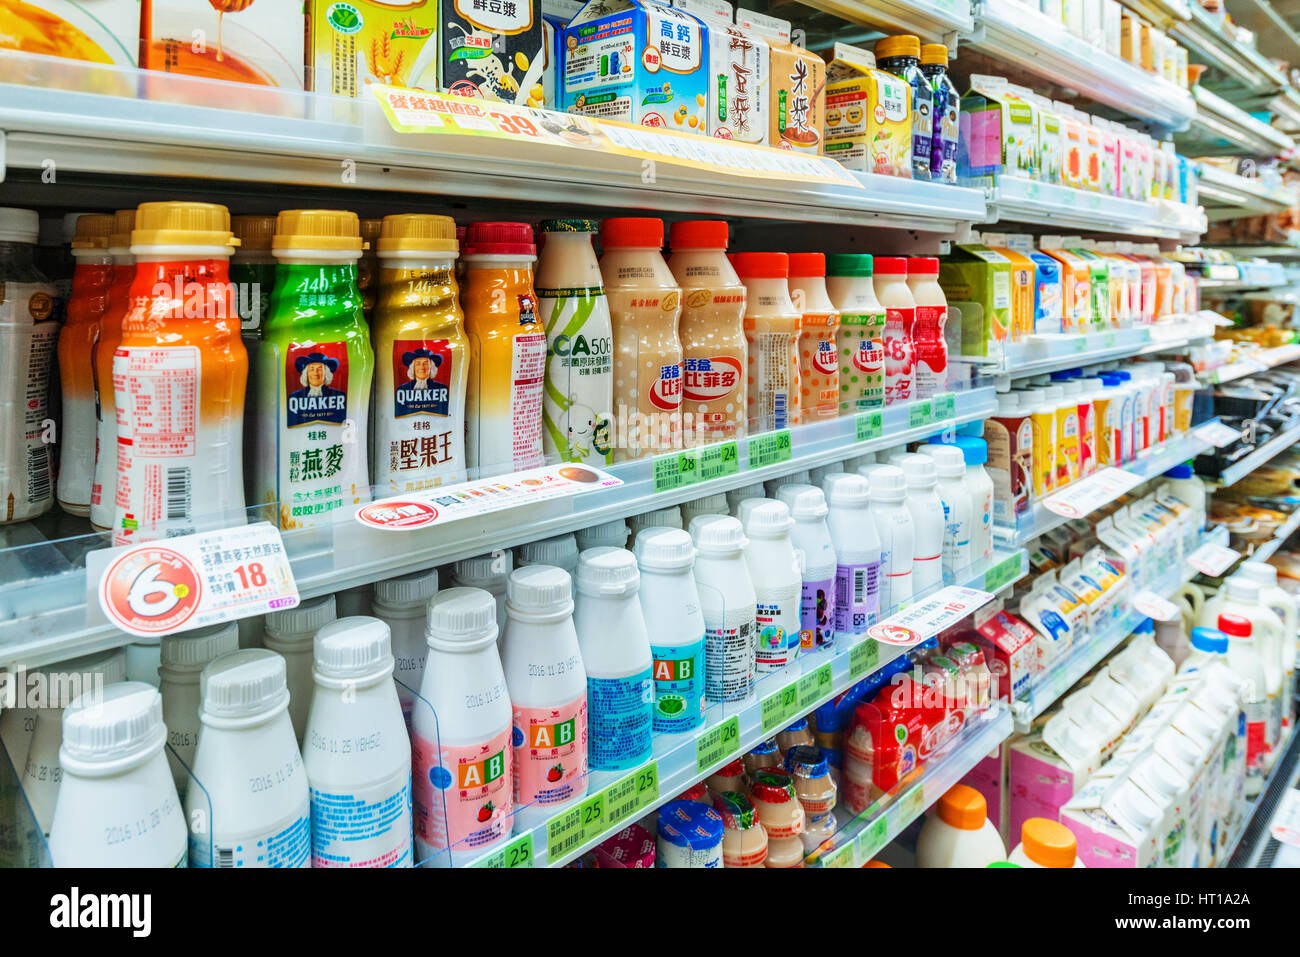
(729, 603)
(560, 551)
(773, 486)
(247, 802)
(958, 833)
(975, 453)
(548, 694)
(291, 633)
(616, 654)
(462, 767)
(897, 535)
(609, 534)
(737, 495)
(715, 504)
(117, 805)
(403, 605)
(954, 495)
(184, 657)
(670, 517)
(348, 603)
(774, 570)
(674, 620)
(857, 554)
(356, 751)
(142, 660)
(1283, 604)
(928, 520)
(1045, 843)
(488, 572)
(812, 537)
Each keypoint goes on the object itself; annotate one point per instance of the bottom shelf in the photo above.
(1255, 846)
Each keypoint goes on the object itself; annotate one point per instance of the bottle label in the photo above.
(422, 445)
(776, 620)
(461, 795)
(285, 844)
(956, 539)
(550, 747)
(29, 331)
(678, 686)
(861, 343)
(857, 597)
(729, 662)
(931, 351)
(819, 372)
(621, 713)
(774, 388)
(1256, 737)
(817, 614)
(578, 398)
(900, 357)
(527, 373)
(363, 827)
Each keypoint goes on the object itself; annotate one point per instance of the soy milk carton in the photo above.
(492, 49)
(797, 93)
(868, 115)
(739, 67)
(637, 61)
(999, 132)
(352, 44)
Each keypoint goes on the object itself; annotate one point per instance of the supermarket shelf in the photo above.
(1267, 359)
(861, 837)
(1229, 196)
(1017, 34)
(1253, 846)
(1274, 37)
(1160, 12)
(932, 20)
(1015, 199)
(1222, 127)
(1284, 532)
(1289, 250)
(1039, 354)
(44, 615)
(1039, 519)
(1240, 285)
(1203, 37)
(1081, 658)
(1265, 453)
(681, 760)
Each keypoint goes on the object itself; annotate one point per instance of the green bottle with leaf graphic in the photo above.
(577, 406)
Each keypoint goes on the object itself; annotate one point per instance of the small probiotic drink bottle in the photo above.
(403, 605)
(489, 572)
(290, 633)
(247, 802)
(857, 554)
(117, 805)
(812, 537)
(670, 604)
(183, 658)
(609, 534)
(729, 603)
(774, 570)
(356, 751)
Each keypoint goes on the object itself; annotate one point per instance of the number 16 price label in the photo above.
(170, 586)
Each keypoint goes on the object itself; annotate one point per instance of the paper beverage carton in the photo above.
(354, 44)
(999, 132)
(868, 115)
(797, 91)
(739, 74)
(260, 42)
(98, 31)
(492, 49)
(556, 15)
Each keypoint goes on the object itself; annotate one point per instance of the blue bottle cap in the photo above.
(1210, 640)
(690, 824)
(1183, 471)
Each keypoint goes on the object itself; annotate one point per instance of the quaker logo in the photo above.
(422, 371)
(316, 378)
(527, 310)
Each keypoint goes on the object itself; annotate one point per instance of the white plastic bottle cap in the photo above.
(353, 648)
(540, 590)
(1261, 573)
(1072, 388)
(608, 572)
(110, 664)
(484, 570)
(889, 484)
(868, 470)
(846, 490)
(918, 469)
(125, 719)
(243, 684)
(699, 521)
(562, 551)
(788, 493)
(768, 520)
(743, 510)
(19, 225)
(670, 517)
(465, 617)
(715, 504)
(192, 650)
(414, 589)
(1008, 402)
(1243, 589)
(611, 534)
(1054, 395)
(722, 536)
(809, 503)
(737, 495)
(665, 549)
(301, 623)
(949, 462)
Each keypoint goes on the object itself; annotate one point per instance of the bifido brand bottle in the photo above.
(178, 379)
(315, 367)
(857, 553)
(861, 337)
(729, 603)
(291, 633)
(812, 538)
(90, 283)
(247, 803)
(772, 326)
(819, 326)
(674, 621)
(402, 604)
(182, 659)
(928, 327)
(103, 493)
(462, 764)
(900, 317)
(714, 350)
(774, 570)
(29, 334)
(579, 396)
(421, 357)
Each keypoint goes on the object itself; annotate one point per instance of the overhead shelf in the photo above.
(1019, 200)
(1250, 365)
(1223, 128)
(1274, 37)
(1270, 450)
(1017, 34)
(1241, 64)
(1229, 196)
(940, 21)
(1045, 353)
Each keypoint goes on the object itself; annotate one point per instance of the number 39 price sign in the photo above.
(195, 580)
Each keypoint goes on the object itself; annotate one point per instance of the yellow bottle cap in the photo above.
(318, 229)
(932, 53)
(253, 232)
(1047, 842)
(370, 229)
(182, 224)
(903, 45)
(418, 232)
(123, 223)
(93, 231)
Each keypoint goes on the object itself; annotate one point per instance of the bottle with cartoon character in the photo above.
(421, 356)
(315, 367)
(579, 394)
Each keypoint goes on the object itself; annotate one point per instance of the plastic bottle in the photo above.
(861, 338)
(1087, 425)
(1043, 427)
(737, 495)
(247, 802)
(507, 361)
(928, 327)
(368, 267)
(1010, 437)
(674, 621)
(645, 303)
(1045, 843)
(252, 271)
(1207, 644)
(714, 350)
(929, 520)
(980, 486)
(488, 572)
(774, 486)
(356, 751)
(548, 694)
(616, 653)
(897, 533)
(901, 56)
(946, 113)
(1245, 661)
(772, 329)
(857, 554)
(291, 633)
(1067, 432)
(811, 536)
(560, 551)
(579, 396)
(610, 534)
(729, 602)
(774, 570)
(958, 832)
(1243, 596)
(403, 605)
(900, 316)
(117, 804)
(715, 504)
(462, 765)
(670, 517)
(819, 325)
(1283, 605)
(184, 657)
(422, 357)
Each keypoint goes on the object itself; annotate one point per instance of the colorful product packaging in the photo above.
(1039, 781)
(977, 281)
(797, 91)
(353, 44)
(492, 50)
(868, 115)
(1076, 286)
(999, 131)
(556, 15)
(97, 31)
(739, 68)
(1023, 287)
(260, 43)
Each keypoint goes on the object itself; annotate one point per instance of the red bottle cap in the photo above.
(923, 266)
(891, 266)
(638, 232)
(761, 265)
(698, 234)
(500, 239)
(807, 264)
(1234, 625)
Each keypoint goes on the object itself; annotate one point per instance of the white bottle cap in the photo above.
(608, 572)
(768, 520)
(919, 470)
(192, 650)
(846, 490)
(461, 619)
(243, 684)
(670, 517)
(737, 495)
(1261, 573)
(949, 461)
(888, 484)
(124, 720)
(715, 504)
(788, 493)
(809, 504)
(484, 571)
(1008, 402)
(611, 534)
(1243, 589)
(1053, 395)
(1072, 388)
(720, 536)
(802, 477)
(414, 589)
(540, 590)
(300, 623)
(110, 664)
(866, 471)
(743, 510)
(561, 551)
(19, 225)
(665, 549)
(353, 648)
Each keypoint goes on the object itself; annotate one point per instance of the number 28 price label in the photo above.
(196, 580)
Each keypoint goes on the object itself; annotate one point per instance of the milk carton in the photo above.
(492, 50)
(1116, 824)
(639, 62)
(1040, 780)
(868, 115)
(797, 91)
(739, 66)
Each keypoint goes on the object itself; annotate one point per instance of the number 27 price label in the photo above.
(161, 588)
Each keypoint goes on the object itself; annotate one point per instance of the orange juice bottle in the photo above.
(90, 282)
(103, 493)
(772, 327)
(819, 361)
(179, 376)
(507, 362)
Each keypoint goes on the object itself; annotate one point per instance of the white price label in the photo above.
(1213, 560)
(1217, 434)
(930, 616)
(174, 585)
(1154, 606)
(1087, 495)
(1285, 825)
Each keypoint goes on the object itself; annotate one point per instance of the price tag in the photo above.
(911, 806)
(1108, 340)
(718, 460)
(563, 834)
(779, 707)
(1087, 495)
(1031, 190)
(868, 425)
(717, 745)
(841, 856)
(769, 448)
(1079, 344)
(170, 586)
(625, 798)
(676, 470)
(871, 839)
(945, 406)
(929, 616)
(1002, 574)
(592, 812)
(920, 414)
(1213, 560)
(518, 853)
(1216, 433)
(1155, 606)
(863, 658)
(814, 686)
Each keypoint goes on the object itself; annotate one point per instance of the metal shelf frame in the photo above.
(1015, 199)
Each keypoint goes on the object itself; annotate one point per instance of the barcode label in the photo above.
(225, 857)
(178, 492)
(778, 409)
(38, 473)
(859, 586)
